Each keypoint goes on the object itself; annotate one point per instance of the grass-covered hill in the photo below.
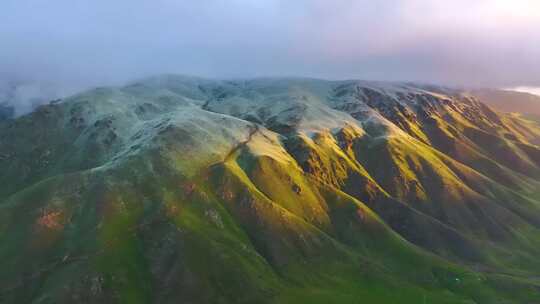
(184, 190)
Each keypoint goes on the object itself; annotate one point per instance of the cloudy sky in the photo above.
(480, 42)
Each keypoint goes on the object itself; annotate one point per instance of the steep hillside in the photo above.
(183, 190)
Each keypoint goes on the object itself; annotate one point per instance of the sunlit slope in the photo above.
(178, 189)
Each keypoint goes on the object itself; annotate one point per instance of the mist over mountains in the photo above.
(102, 42)
(19, 97)
(511, 101)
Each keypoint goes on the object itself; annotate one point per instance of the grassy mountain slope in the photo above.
(177, 189)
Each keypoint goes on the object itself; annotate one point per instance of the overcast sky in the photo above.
(469, 42)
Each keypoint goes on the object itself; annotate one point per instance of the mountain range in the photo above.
(176, 189)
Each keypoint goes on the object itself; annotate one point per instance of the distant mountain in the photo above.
(176, 189)
(510, 101)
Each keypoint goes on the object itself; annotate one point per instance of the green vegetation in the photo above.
(170, 194)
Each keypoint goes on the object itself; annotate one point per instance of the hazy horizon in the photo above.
(486, 43)
(74, 45)
(530, 90)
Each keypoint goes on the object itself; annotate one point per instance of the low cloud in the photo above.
(79, 43)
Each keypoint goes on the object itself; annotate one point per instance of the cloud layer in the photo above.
(483, 42)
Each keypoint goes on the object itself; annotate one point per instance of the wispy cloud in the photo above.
(531, 90)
